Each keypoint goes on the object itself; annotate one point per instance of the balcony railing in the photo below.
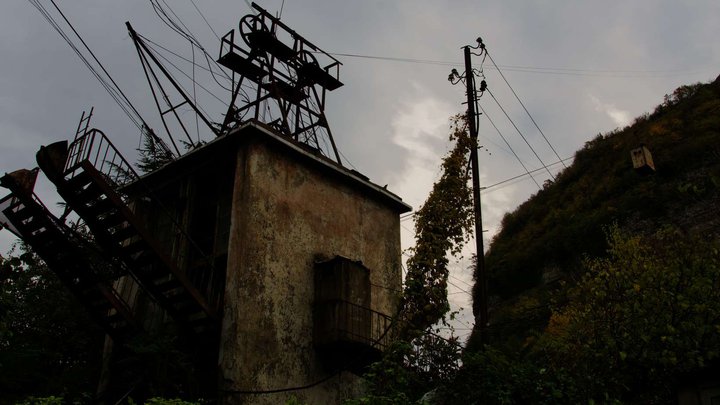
(340, 321)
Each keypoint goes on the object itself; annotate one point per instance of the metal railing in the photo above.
(356, 323)
(95, 148)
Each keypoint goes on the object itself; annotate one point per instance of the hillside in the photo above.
(546, 238)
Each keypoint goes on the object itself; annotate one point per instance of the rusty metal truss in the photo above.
(281, 79)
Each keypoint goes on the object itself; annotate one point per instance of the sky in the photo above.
(579, 67)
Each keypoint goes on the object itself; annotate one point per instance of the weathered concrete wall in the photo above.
(286, 215)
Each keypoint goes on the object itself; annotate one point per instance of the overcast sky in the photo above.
(580, 67)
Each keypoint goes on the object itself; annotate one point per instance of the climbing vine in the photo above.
(442, 226)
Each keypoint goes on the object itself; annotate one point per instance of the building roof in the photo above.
(254, 131)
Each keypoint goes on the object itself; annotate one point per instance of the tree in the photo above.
(154, 153)
(48, 344)
(641, 318)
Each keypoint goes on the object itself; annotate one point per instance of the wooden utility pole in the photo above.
(480, 275)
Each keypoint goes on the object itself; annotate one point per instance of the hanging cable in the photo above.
(533, 69)
(176, 67)
(519, 176)
(205, 19)
(197, 120)
(177, 55)
(99, 63)
(511, 148)
(183, 31)
(523, 106)
(110, 90)
(520, 132)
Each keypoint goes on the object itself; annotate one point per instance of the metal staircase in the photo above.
(81, 269)
(87, 175)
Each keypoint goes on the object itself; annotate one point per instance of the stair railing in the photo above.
(95, 147)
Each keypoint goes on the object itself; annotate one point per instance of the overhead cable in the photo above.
(205, 19)
(484, 190)
(523, 106)
(124, 104)
(98, 62)
(520, 133)
(508, 145)
(532, 69)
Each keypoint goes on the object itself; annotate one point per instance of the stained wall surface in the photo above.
(288, 212)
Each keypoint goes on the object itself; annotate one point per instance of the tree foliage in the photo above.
(641, 318)
(154, 153)
(640, 321)
(48, 344)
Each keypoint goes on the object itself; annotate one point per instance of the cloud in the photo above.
(621, 118)
(420, 126)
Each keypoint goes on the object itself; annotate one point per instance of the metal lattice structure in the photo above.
(281, 80)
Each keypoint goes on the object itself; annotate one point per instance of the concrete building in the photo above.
(278, 269)
(275, 211)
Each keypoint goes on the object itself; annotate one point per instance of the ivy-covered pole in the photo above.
(480, 250)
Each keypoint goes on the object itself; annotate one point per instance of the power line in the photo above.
(521, 175)
(207, 69)
(530, 69)
(461, 280)
(185, 33)
(523, 106)
(520, 132)
(98, 62)
(508, 145)
(110, 90)
(250, 6)
(189, 77)
(205, 19)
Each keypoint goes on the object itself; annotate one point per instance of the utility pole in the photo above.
(481, 277)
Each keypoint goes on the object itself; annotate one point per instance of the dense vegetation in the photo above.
(547, 237)
(48, 343)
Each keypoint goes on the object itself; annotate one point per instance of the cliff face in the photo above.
(546, 238)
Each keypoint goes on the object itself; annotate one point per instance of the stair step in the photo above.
(89, 193)
(32, 225)
(116, 317)
(15, 203)
(111, 220)
(78, 181)
(22, 214)
(167, 285)
(66, 255)
(135, 247)
(100, 207)
(147, 259)
(42, 238)
(102, 308)
(43, 235)
(122, 234)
